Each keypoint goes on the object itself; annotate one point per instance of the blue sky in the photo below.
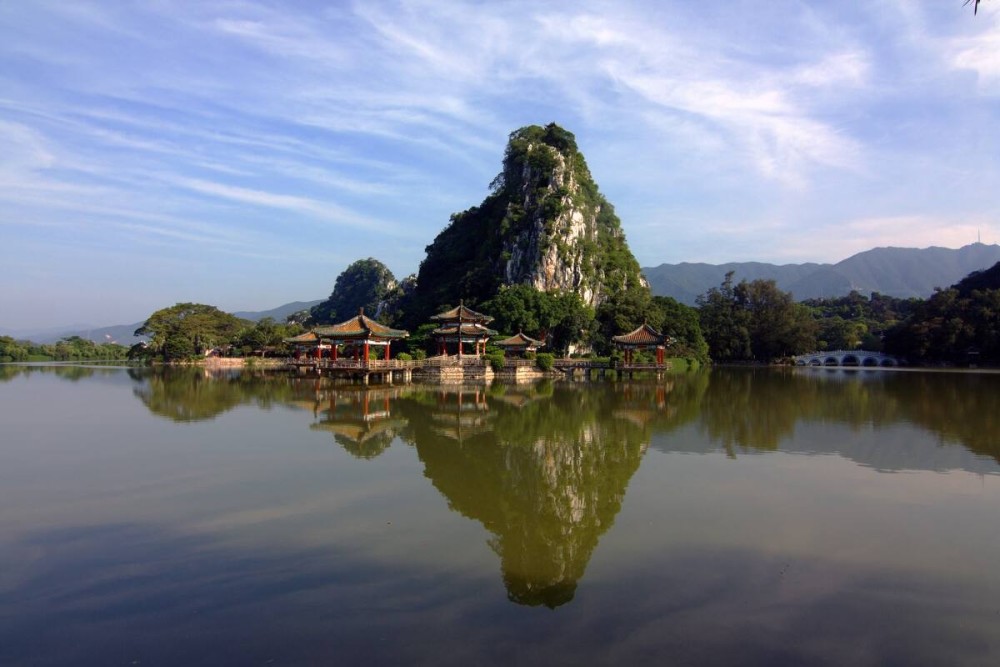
(243, 153)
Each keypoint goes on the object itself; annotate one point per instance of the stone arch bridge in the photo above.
(847, 358)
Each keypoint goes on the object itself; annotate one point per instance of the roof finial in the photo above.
(361, 311)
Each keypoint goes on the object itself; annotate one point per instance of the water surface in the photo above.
(734, 517)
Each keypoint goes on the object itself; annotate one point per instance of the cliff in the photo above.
(544, 223)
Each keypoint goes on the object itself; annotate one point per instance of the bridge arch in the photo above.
(854, 358)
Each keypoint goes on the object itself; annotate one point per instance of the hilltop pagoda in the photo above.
(360, 333)
(462, 325)
(643, 338)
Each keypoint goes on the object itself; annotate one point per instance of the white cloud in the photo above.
(24, 150)
(979, 54)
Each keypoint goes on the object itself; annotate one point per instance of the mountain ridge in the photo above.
(892, 271)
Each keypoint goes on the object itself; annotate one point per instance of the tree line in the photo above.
(757, 322)
(71, 348)
(744, 322)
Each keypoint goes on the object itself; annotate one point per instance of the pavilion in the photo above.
(308, 343)
(643, 338)
(462, 325)
(519, 344)
(361, 333)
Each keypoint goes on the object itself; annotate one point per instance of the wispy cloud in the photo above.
(719, 129)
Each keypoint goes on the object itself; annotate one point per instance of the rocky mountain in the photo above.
(899, 272)
(545, 224)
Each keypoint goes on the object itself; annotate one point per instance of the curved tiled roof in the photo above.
(307, 337)
(644, 335)
(520, 340)
(460, 312)
(468, 329)
(359, 326)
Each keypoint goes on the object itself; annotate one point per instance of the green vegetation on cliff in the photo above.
(364, 284)
(544, 224)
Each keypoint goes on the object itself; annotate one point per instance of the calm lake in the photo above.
(738, 516)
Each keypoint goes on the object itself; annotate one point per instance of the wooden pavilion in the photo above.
(307, 344)
(359, 334)
(643, 338)
(462, 325)
(519, 344)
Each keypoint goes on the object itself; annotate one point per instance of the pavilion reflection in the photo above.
(361, 420)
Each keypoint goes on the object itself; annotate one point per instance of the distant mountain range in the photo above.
(899, 272)
(123, 333)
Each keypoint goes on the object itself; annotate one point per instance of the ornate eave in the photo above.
(307, 338)
(644, 336)
(462, 314)
(469, 332)
(519, 340)
(359, 327)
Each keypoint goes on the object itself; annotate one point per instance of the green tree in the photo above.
(560, 319)
(188, 329)
(725, 325)
(778, 327)
(12, 350)
(754, 321)
(364, 284)
(266, 337)
(681, 322)
(951, 327)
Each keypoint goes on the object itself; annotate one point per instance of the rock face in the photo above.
(545, 224)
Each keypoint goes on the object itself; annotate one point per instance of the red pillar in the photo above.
(319, 351)
(333, 352)
(366, 352)
(659, 356)
(387, 351)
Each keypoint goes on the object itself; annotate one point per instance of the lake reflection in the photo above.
(738, 516)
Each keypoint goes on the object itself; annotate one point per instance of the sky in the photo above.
(243, 153)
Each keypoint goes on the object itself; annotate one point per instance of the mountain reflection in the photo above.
(736, 410)
(545, 467)
(544, 471)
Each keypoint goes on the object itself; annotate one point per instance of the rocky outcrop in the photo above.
(544, 224)
(556, 214)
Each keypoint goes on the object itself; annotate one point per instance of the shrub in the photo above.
(496, 360)
(403, 356)
(545, 360)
